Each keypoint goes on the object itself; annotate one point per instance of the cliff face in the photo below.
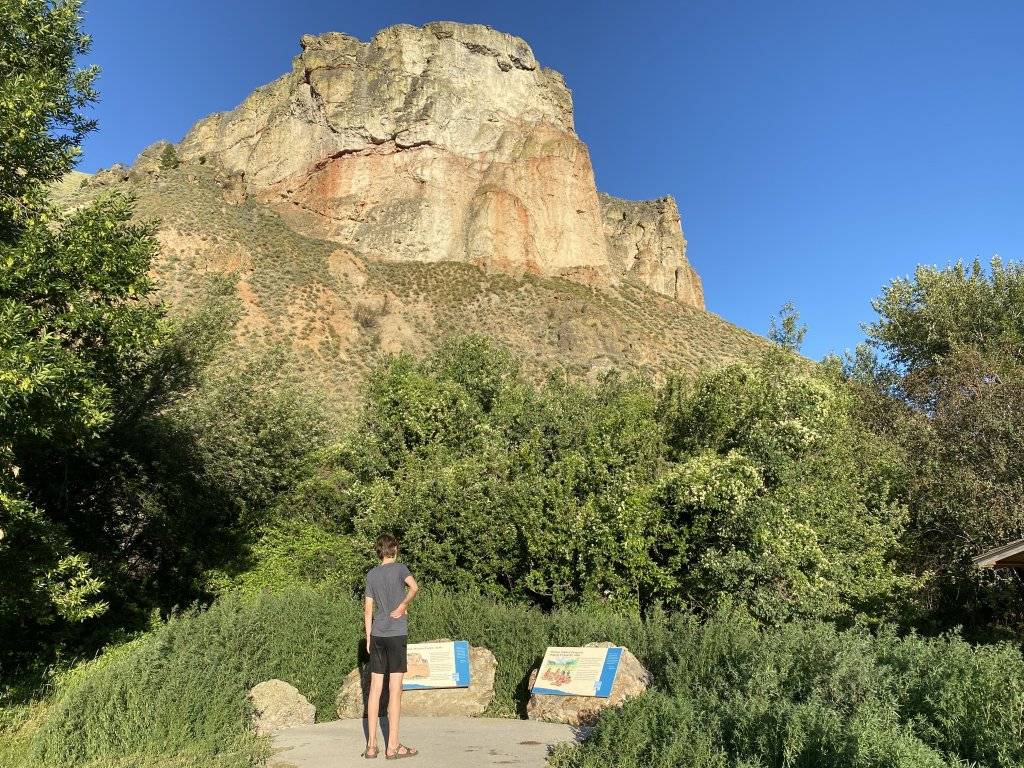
(442, 143)
(645, 240)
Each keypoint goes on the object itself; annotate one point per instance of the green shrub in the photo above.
(654, 731)
(963, 699)
(754, 483)
(294, 552)
(169, 158)
(807, 694)
(728, 692)
(182, 688)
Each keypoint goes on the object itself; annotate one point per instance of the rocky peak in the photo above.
(447, 142)
(645, 240)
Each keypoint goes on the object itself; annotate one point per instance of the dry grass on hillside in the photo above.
(340, 315)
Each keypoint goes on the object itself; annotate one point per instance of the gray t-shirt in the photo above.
(386, 585)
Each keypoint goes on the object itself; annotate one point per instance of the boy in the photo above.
(389, 590)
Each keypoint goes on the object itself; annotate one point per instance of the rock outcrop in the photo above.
(437, 702)
(631, 680)
(645, 240)
(276, 705)
(447, 142)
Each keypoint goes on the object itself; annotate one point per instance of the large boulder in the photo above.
(437, 702)
(631, 680)
(277, 705)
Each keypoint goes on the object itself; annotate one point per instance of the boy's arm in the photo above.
(368, 619)
(410, 592)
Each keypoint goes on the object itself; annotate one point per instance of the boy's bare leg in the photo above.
(394, 710)
(373, 709)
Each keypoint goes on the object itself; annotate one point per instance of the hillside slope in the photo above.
(340, 313)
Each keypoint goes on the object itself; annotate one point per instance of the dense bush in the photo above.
(183, 687)
(753, 482)
(164, 500)
(728, 691)
(807, 694)
(778, 497)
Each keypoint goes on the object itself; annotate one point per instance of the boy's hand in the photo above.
(367, 645)
(399, 612)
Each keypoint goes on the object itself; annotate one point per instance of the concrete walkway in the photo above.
(443, 742)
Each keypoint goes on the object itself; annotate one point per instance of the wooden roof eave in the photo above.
(1006, 556)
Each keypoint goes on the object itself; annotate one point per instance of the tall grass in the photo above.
(727, 692)
(183, 687)
(181, 690)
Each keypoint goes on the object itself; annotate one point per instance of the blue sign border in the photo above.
(462, 663)
(611, 666)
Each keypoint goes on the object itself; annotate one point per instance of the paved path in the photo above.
(443, 742)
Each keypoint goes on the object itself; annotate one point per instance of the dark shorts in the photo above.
(387, 654)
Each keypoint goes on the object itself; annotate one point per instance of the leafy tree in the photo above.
(178, 492)
(785, 499)
(75, 325)
(754, 482)
(925, 319)
(42, 97)
(74, 318)
(952, 342)
(786, 330)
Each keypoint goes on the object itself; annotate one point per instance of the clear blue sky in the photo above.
(817, 149)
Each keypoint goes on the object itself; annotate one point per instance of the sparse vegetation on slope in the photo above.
(340, 324)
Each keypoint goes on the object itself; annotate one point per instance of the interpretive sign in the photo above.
(581, 671)
(437, 665)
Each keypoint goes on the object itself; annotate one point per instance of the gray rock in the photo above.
(438, 702)
(232, 187)
(276, 705)
(631, 680)
(115, 174)
(646, 244)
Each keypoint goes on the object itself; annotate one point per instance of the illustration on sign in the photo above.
(437, 665)
(578, 671)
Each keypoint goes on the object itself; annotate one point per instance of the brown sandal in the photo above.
(399, 754)
(368, 756)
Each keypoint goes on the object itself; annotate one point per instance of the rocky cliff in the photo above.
(443, 143)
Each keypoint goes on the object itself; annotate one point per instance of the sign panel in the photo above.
(578, 671)
(437, 665)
